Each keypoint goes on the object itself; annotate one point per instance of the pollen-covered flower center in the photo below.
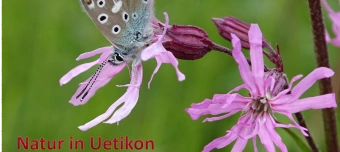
(260, 105)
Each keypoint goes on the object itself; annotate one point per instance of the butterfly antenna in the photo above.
(95, 76)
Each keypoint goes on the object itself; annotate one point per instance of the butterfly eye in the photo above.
(102, 18)
(116, 29)
(125, 16)
(145, 1)
(134, 15)
(118, 57)
(101, 3)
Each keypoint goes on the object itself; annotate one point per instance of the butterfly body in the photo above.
(125, 23)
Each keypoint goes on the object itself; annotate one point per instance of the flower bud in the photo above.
(281, 81)
(229, 25)
(187, 42)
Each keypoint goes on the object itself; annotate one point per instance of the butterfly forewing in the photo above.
(125, 23)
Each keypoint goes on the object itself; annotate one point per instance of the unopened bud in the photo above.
(229, 25)
(281, 81)
(187, 42)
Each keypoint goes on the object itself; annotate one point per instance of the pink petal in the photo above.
(220, 117)
(217, 109)
(229, 100)
(158, 47)
(202, 105)
(293, 80)
(243, 65)
(125, 110)
(221, 98)
(224, 99)
(198, 109)
(105, 76)
(159, 63)
(335, 41)
(76, 71)
(103, 116)
(95, 52)
(286, 126)
(228, 103)
(318, 102)
(215, 106)
(269, 84)
(243, 86)
(239, 145)
(328, 38)
(167, 57)
(257, 63)
(335, 17)
(196, 113)
(296, 125)
(158, 51)
(251, 132)
(82, 68)
(250, 126)
(310, 79)
(302, 129)
(328, 8)
(130, 98)
(270, 124)
(254, 144)
(152, 51)
(266, 140)
(220, 142)
(284, 92)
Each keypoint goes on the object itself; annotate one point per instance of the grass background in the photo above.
(42, 38)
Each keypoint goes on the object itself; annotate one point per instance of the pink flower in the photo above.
(106, 72)
(263, 101)
(335, 18)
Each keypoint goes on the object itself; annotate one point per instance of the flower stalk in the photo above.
(221, 48)
(321, 52)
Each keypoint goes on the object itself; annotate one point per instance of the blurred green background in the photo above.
(42, 39)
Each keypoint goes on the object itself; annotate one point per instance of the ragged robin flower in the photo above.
(269, 94)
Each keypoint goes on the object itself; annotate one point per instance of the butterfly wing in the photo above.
(125, 23)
